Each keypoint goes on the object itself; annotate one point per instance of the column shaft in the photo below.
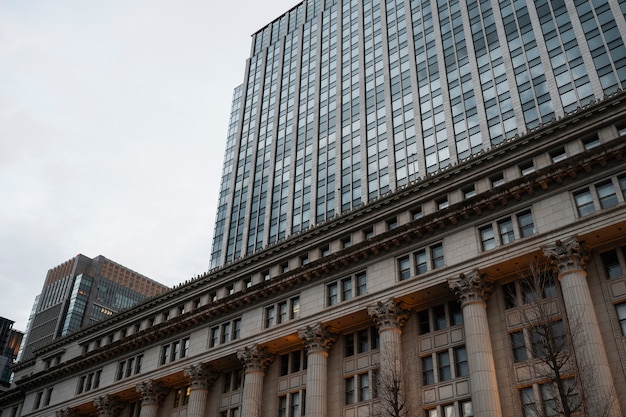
(590, 353)
(483, 384)
(252, 393)
(473, 291)
(197, 402)
(316, 385)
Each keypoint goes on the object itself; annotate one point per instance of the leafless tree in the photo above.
(389, 386)
(565, 379)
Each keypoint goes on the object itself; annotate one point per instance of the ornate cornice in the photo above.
(152, 392)
(317, 338)
(566, 255)
(389, 315)
(255, 358)
(201, 376)
(471, 288)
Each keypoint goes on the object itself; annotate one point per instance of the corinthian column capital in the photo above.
(200, 375)
(108, 406)
(152, 392)
(566, 255)
(255, 358)
(317, 338)
(67, 412)
(471, 288)
(389, 315)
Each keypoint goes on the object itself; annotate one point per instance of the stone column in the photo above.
(201, 377)
(255, 360)
(473, 291)
(389, 318)
(318, 341)
(568, 256)
(152, 393)
(108, 406)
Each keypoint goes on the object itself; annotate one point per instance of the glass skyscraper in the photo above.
(346, 100)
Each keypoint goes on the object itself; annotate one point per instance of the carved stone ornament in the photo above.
(67, 412)
(389, 315)
(255, 358)
(108, 406)
(200, 375)
(318, 338)
(152, 392)
(471, 288)
(567, 255)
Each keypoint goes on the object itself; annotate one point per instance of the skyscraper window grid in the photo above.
(347, 100)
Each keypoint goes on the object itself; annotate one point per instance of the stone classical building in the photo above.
(80, 292)
(395, 174)
(401, 287)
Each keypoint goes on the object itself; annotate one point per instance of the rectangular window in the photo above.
(456, 315)
(332, 294)
(225, 332)
(507, 235)
(558, 155)
(349, 391)
(349, 345)
(622, 185)
(527, 168)
(439, 315)
(611, 264)
(270, 316)
(364, 387)
(443, 360)
(282, 312)
(428, 374)
(404, 265)
(518, 345)
(236, 329)
(528, 402)
(584, 202)
(424, 321)
(469, 192)
(460, 359)
(606, 194)
(421, 262)
(346, 289)
(526, 223)
(487, 238)
(437, 255)
(361, 282)
(620, 309)
(497, 180)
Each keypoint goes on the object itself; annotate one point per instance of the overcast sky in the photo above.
(113, 121)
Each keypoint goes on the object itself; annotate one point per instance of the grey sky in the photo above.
(113, 120)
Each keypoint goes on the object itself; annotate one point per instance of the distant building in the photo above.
(80, 292)
(10, 341)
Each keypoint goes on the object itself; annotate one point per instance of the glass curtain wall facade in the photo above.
(346, 100)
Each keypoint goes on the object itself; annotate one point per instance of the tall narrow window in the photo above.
(428, 374)
(443, 360)
(526, 224)
(584, 203)
(487, 238)
(606, 194)
(507, 235)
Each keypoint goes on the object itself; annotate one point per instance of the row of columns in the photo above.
(472, 290)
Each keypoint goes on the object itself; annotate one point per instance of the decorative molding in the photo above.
(255, 358)
(567, 255)
(201, 376)
(108, 406)
(317, 338)
(471, 288)
(152, 392)
(389, 315)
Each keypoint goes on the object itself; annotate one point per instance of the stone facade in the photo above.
(434, 300)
